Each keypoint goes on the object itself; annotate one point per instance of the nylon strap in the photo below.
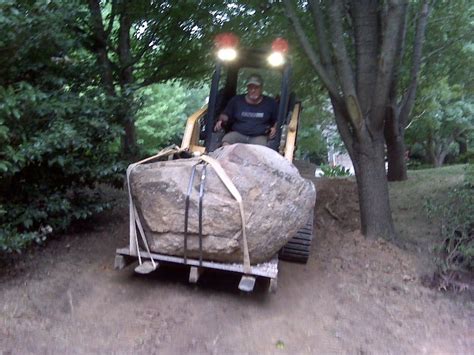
(235, 193)
(134, 217)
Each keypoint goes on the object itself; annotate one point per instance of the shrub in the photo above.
(455, 253)
(56, 152)
(466, 158)
(56, 137)
(335, 171)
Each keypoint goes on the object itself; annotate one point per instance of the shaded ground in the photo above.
(354, 296)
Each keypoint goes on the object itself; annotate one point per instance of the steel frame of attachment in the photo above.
(267, 269)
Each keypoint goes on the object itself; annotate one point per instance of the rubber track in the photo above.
(299, 247)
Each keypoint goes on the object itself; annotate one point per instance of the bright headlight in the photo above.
(276, 59)
(227, 54)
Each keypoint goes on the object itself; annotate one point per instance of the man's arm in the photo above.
(274, 120)
(223, 119)
(224, 116)
(273, 131)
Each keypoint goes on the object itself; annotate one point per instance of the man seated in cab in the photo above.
(252, 117)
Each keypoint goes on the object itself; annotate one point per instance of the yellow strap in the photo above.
(235, 193)
(134, 218)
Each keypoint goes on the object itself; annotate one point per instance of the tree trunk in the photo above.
(441, 152)
(395, 141)
(359, 91)
(462, 144)
(439, 159)
(430, 149)
(375, 212)
(108, 72)
(397, 168)
(100, 47)
(129, 143)
(396, 161)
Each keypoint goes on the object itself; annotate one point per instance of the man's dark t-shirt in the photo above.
(251, 120)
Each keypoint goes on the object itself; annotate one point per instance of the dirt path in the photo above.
(354, 296)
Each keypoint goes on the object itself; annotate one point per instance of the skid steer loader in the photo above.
(231, 69)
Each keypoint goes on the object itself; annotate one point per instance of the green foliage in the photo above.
(417, 165)
(456, 212)
(334, 171)
(315, 133)
(469, 176)
(447, 116)
(166, 107)
(55, 134)
(444, 110)
(467, 158)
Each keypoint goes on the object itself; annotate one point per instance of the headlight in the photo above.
(276, 59)
(226, 44)
(227, 54)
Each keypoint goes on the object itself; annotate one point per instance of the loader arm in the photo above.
(190, 140)
(290, 144)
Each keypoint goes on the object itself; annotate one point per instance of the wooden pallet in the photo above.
(268, 270)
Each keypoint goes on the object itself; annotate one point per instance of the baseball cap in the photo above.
(255, 79)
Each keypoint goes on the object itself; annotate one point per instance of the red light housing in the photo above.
(280, 45)
(226, 40)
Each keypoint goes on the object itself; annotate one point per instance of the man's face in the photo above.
(254, 91)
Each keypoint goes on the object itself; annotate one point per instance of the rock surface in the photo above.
(277, 202)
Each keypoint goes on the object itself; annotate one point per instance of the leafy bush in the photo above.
(456, 211)
(335, 171)
(418, 165)
(469, 176)
(55, 138)
(466, 158)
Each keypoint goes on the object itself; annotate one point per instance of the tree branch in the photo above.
(344, 128)
(100, 46)
(124, 51)
(395, 16)
(322, 38)
(366, 29)
(344, 69)
(398, 60)
(112, 18)
(303, 39)
(416, 63)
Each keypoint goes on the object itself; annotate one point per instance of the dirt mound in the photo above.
(337, 203)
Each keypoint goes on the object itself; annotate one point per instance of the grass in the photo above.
(416, 232)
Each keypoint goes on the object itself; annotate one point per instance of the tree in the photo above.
(402, 100)
(166, 106)
(447, 116)
(140, 43)
(443, 111)
(355, 57)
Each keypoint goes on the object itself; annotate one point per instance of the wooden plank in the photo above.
(267, 269)
(272, 287)
(195, 273)
(121, 261)
(247, 283)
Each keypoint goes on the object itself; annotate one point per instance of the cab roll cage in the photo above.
(248, 58)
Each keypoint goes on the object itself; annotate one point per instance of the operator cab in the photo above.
(232, 68)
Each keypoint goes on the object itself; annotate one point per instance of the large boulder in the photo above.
(277, 202)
